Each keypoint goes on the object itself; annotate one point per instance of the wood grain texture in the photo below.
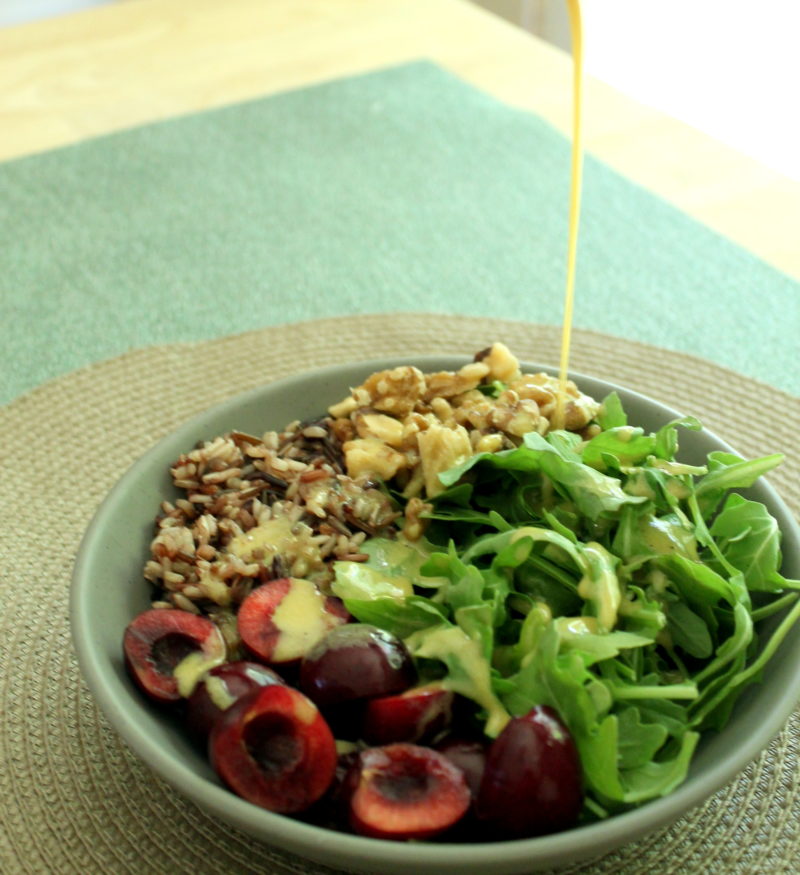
(65, 79)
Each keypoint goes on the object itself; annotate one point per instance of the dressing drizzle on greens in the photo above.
(601, 577)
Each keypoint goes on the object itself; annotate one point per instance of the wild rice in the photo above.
(221, 538)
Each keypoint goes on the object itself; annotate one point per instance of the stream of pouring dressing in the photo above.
(192, 667)
(576, 30)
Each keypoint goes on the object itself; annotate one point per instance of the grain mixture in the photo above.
(290, 503)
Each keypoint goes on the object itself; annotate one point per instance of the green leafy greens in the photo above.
(601, 577)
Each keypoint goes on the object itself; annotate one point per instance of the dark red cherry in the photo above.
(168, 650)
(219, 688)
(532, 781)
(355, 661)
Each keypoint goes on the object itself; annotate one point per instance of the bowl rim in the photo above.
(332, 847)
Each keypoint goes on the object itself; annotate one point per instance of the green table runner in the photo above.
(402, 190)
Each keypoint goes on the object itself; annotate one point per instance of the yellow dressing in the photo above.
(218, 693)
(665, 538)
(368, 583)
(192, 667)
(601, 587)
(271, 537)
(302, 620)
(473, 679)
(637, 485)
(576, 30)
(305, 710)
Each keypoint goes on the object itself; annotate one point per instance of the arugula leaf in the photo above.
(561, 680)
(642, 535)
(666, 438)
(728, 471)
(564, 681)
(627, 445)
(505, 460)
(600, 585)
(688, 631)
(593, 492)
(699, 584)
(401, 618)
(467, 586)
(542, 579)
(659, 777)
(749, 539)
(611, 414)
(598, 646)
(357, 580)
(641, 614)
(496, 543)
(637, 740)
(602, 577)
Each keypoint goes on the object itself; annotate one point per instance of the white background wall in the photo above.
(728, 67)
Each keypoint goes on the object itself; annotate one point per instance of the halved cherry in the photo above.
(220, 688)
(274, 749)
(404, 791)
(283, 619)
(167, 650)
(413, 715)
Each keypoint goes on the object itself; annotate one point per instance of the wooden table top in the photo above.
(116, 66)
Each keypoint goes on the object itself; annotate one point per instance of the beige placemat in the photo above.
(74, 799)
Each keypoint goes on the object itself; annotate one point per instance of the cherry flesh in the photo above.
(414, 715)
(532, 780)
(159, 641)
(403, 791)
(274, 749)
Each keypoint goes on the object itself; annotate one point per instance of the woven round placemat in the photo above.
(74, 799)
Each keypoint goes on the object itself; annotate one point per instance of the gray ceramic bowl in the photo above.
(108, 591)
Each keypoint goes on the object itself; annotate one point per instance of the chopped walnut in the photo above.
(371, 457)
(396, 391)
(500, 363)
(381, 426)
(579, 412)
(486, 443)
(517, 416)
(534, 388)
(408, 425)
(441, 448)
(446, 384)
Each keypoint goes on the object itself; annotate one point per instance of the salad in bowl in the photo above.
(434, 619)
(431, 612)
